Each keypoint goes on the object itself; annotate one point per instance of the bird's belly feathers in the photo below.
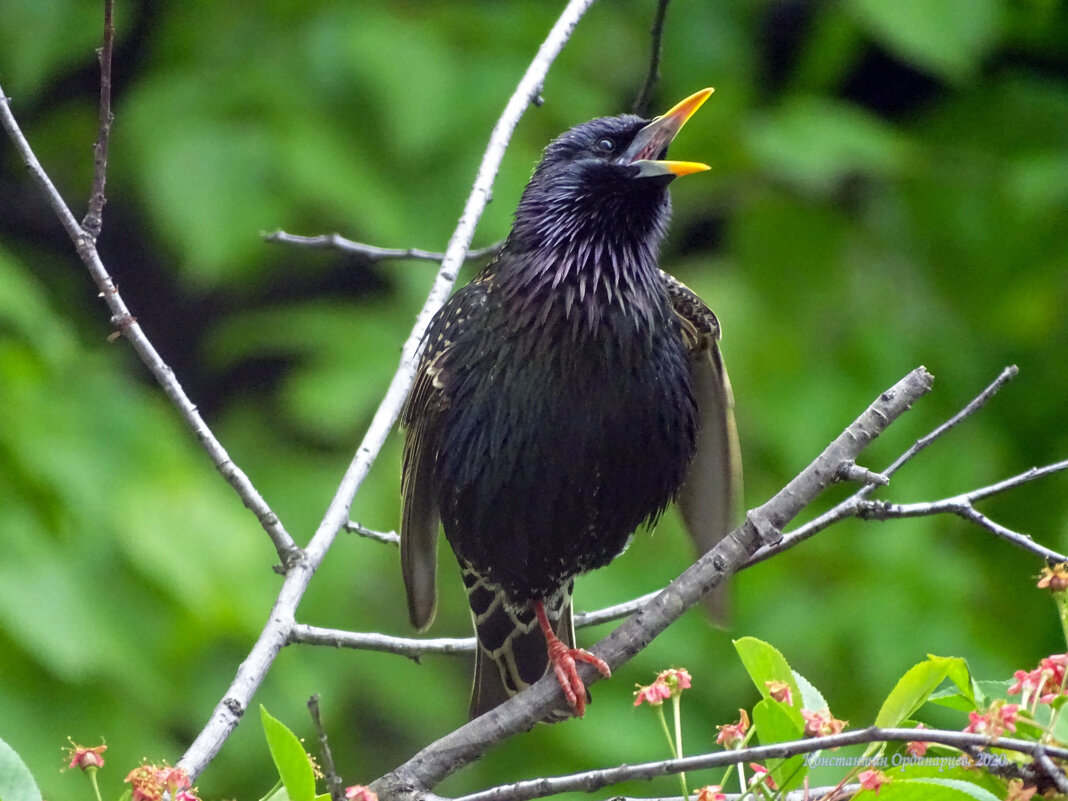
(552, 457)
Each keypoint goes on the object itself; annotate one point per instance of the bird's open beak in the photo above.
(653, 139)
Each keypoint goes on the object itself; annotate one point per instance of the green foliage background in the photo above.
(889, 188)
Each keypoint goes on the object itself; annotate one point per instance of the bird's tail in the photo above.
(511, 653)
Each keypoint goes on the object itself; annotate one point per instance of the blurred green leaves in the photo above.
(889, 189)
(948, 37)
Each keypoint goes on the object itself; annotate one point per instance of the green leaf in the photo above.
(914, 689)
(953, 699)
(775, 724)
(764, 662)
(294, 767)
(811, 698)
(934, 790)
(16, 781)
(946, 37)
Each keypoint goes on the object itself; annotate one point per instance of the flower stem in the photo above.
(1061, 599)
(676, 704)
(92, 778)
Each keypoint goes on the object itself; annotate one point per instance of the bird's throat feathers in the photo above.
(582, 256)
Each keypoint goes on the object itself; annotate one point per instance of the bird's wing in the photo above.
(711, 497)
(419, 506)
(438, 368)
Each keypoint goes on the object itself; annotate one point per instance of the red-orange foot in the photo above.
(564, 663)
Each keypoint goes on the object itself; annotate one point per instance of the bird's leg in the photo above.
(563, 662)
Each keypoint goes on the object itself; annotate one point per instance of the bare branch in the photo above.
(961, 505)
(412, 647)
(589, 781)
(652, 76)
(281, 622)
(610, 613)
(338, 242)
(851, 471)
(93, 220)
(127, 326)
(442, 758)
(848, 507)
(415, 647)
(975, 405)
(333, 781)
(388, 537)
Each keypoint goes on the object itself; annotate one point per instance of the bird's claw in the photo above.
(564, 666)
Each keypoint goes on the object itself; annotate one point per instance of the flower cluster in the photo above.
(822, 723)
(998, 719)
(732, 735)
(149, 782)
(668, 684)
(1043, 684)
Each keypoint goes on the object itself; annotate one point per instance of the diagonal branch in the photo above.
(442, 758)
(281, 621)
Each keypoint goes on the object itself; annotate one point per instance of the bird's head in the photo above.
(608, 173)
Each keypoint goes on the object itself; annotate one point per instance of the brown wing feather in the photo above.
(710, 500)
(419, 512)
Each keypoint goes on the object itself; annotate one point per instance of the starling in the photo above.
(566, 396)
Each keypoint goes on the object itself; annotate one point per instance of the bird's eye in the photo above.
(606, 145)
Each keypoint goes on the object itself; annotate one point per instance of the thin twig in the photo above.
(589, 781)
(414, 647)
(652, 75)
(126, 324)
(333, 781)
(848, 507)
(93, 220)
(977, 403)
(388, 537)
(281, 622)
(411, 647)
(440, 759)
(338, 242)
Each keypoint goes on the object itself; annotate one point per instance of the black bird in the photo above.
(566, 396)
